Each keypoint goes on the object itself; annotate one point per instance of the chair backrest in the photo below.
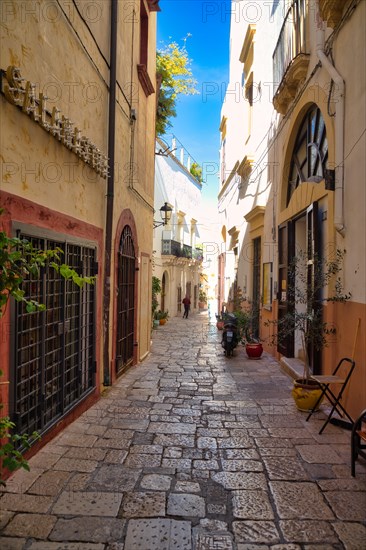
(345, 364)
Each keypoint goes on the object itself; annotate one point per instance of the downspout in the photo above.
(339, 126)
(110, 191)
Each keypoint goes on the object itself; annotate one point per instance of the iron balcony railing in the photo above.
(292, 40)
(175, 248)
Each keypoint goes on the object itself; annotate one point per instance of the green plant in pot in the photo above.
(248, 331)
(202, 299)
(312, 282)
(162, 316)
(155, 290)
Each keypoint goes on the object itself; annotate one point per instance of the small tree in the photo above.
(156, 289)
(173, 66)
(305, 300)
(196, 172)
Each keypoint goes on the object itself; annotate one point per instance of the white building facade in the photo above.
(177, 250)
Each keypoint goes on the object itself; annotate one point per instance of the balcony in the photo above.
(331, 11)
(175, 248)
(291, 56)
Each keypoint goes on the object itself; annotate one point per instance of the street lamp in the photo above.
(166, 213)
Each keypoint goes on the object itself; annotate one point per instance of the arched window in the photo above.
(125, 301)
(310, 153)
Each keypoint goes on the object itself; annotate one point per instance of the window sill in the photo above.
(145, 80)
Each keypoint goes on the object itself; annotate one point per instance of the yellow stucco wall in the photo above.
(65, 53)
(44, 46)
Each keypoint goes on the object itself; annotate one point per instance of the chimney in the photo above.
(182, 156)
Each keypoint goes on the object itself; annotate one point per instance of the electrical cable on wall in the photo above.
(132, 125)
(99, 50)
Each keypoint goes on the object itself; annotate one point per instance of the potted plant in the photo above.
(156, 289)
(251, 342)
(162, 316)
(202, 299)
(219, 321)
(308, 281)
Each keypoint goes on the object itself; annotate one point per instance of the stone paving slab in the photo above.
(186, 505)
(162, 534)
(299, 501)
(9, 543)
(303, 531)
(38, 526)
(88, 529)
(255, 531)
(143, 504)
(39, 545)
(190, 451)
(72, 503)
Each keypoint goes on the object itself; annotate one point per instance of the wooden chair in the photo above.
(324, 381)
(358, 440)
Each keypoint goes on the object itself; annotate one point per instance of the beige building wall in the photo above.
(36, 37)
(134, 160)
(63, 49)
(349, 319)
(275, 132)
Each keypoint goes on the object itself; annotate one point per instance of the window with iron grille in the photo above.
(54, 350)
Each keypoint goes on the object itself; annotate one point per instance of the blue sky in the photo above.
(198, 117)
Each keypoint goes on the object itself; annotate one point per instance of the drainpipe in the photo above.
(110, 191)
(339, 126)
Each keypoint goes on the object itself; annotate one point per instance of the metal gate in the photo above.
(125, 301)
(54, 354)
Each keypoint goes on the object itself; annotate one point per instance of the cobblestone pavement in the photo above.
(190, 450)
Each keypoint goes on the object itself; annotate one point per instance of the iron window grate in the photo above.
(54, 349)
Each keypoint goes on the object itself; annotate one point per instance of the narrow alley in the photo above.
(190, 450)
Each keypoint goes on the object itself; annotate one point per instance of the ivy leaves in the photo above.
(11, 457)
(20, 260)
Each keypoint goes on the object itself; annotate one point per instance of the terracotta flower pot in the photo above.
(254, 351)
(220, 325)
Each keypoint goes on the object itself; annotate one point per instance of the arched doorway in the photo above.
(300, 237)
(125, 301)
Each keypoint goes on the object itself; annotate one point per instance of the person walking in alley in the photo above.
(187, 303)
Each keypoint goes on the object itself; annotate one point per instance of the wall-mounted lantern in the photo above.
(166, 214)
